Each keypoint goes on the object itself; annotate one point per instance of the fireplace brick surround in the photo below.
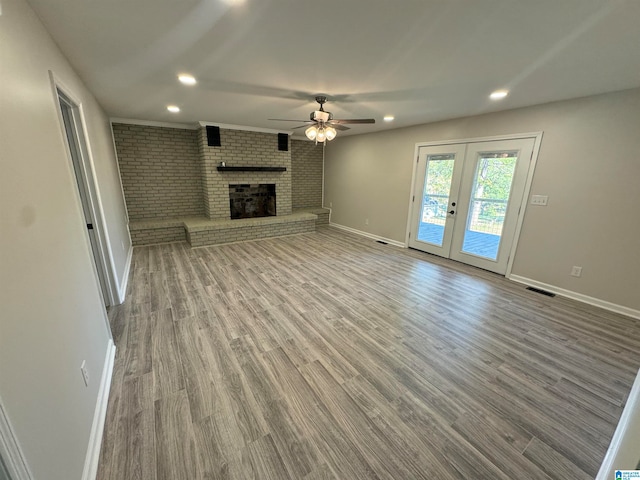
(241, 148)
(174, 191)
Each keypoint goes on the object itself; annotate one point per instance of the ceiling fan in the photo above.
(321, 125)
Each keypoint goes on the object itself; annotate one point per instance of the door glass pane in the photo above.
(488, 205)
(435, 198)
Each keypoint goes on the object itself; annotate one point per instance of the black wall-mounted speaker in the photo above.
(213, 136)
(283, 142)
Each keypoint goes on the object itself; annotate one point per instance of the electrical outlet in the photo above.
(576, 271)
(366, 221)
(539, 200)
(85, 373)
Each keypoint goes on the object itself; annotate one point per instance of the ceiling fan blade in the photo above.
(306, 125)
(337, 126)
(354, 120)
(288, 120)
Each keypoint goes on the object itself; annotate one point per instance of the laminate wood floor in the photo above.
(330, 356)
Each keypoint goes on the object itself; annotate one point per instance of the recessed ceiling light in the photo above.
(173, 108)
(187, 79)
(499, 94)
(388, 118)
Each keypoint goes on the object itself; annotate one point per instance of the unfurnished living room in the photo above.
(285, 239)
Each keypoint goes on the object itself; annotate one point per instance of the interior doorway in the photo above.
(78, 151)
(467, 198)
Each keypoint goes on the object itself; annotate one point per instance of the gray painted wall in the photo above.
(52, 315)
(589, 166)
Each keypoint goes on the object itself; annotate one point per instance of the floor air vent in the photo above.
(543, 292)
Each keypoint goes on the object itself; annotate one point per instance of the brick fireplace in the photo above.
(176, 189)
(241, 148)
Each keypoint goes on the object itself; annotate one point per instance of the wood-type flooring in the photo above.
(330, 356)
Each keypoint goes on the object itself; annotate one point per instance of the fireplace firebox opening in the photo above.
(251, 201)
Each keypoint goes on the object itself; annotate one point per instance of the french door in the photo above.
(466, 200)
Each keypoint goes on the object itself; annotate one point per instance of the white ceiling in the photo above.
(420, 60)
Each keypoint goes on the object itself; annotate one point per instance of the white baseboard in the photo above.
(623, 451)
(97, 428)
(122, 291)
(10, 450)
(612, 307)
(368, 235)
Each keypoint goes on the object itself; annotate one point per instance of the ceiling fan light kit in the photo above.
(320, 133)
(311, 132)
(330, 132)
(323, 126)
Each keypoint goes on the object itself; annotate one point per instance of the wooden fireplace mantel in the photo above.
(252, 169)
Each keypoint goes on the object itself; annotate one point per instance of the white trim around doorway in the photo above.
(10, 449)
(95, 202)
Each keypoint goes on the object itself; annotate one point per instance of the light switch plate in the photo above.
(85, 373)
(539, 199)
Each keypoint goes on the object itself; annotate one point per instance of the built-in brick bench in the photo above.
(149, 232)
(200, 231)
(320, 212)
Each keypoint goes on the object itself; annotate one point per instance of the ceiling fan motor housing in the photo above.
(320, 116)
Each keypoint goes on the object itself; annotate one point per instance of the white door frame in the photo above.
(105, 271)
(10, 449)
(537, 136)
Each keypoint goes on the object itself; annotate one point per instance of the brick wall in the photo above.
(160, 170)
(158, 235)
(242, 148)
(171, 172)
(306, 174)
